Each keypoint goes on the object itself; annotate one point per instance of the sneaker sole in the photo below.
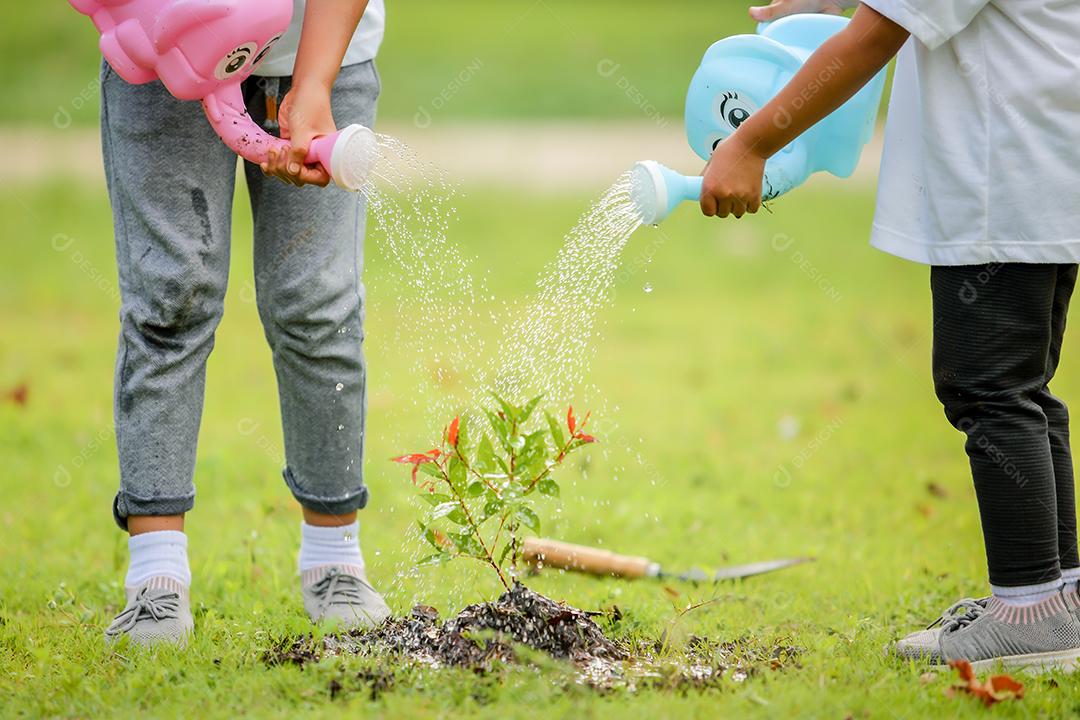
(1066, 660)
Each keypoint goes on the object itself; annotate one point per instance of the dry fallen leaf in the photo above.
(993, 690)
(18, 395)
(936, 490)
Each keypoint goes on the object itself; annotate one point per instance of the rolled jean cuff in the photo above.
(125, 504)
(328, 505)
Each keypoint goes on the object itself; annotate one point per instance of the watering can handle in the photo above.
(227, 113)
(775, 182)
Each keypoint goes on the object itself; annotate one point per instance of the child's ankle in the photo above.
(158, 554)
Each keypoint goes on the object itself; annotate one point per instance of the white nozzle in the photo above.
(648, 191)
(353, 156)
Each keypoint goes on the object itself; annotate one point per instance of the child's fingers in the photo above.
(314, 175)
(781, 8)
(765, 13)
(297, 155)
(268, 165)
(708, 204)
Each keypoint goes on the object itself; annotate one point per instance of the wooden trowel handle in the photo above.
(552, 553)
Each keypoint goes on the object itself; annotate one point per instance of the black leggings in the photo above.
(997, 340)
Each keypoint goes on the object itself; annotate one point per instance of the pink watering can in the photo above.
(203, 50)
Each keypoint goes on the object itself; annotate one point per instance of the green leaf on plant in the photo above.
(528, 518)
(526, 412)
(485, 456)
(556, 431)
(434, 559)
(443, 509)
(513, 414)
(475, 489)
(501, 428)
(462, 435)
(530, 462)
(457, 475)
(434, 498)
(548, 487)
(505, 551)
(431, 469)
(431, 536)
(467, 543)
(492, 507)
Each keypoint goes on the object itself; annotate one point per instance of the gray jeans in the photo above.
(171, 183)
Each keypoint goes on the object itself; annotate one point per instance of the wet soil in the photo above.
(522, 622)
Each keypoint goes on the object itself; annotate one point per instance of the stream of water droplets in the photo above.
(548, 348)
(546, 345)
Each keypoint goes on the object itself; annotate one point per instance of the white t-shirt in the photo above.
(982, 143)
(364, 46)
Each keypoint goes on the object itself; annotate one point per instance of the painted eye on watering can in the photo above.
(234, 61)
(266, 48)
(734, 110)
(736, 117)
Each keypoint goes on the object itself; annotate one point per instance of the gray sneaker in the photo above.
(924, 643)
(1039, 636)
(157, 611)
(341, 594)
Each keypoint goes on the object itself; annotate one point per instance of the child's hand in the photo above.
(732, 184)
(304, 114)
(781, 8)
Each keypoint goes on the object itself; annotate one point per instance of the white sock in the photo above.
(1070, 577)
(156, 554)
(330, 546)
(1027, 594)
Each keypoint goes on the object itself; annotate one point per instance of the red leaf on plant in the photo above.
(571, 421)
(413, 459)
(585, 438)
(993, 690)
(452, 434)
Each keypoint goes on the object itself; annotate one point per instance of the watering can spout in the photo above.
(656, 190)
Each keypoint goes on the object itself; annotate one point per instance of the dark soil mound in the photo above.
(477, 635)
(484, 634)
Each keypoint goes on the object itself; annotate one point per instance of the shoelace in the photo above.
(338, 588)
(165, 606)
(960, 614)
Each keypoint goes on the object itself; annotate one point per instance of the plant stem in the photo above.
(475, 528)
(480, 477)
(495, 542)
(547, 471)
(513, 452)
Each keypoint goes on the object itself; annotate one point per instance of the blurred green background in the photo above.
(770, 396)
(531, 59)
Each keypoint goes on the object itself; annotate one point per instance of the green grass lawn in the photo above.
(784, 320)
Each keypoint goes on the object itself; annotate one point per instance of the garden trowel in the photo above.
(540, 553)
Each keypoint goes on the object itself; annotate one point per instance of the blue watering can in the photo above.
(737, 76)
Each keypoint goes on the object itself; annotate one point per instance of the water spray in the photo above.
(737, 76)
(203, 50)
